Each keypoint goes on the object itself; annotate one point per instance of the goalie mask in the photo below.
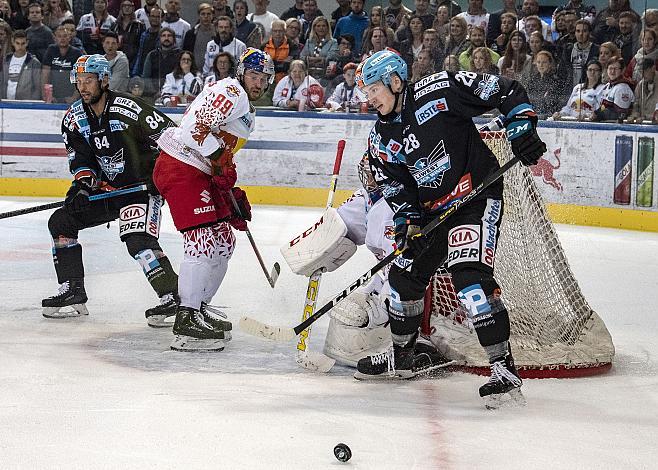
(366, 176)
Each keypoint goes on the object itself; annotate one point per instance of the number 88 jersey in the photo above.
(220, 117)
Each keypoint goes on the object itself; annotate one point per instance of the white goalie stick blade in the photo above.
(315, 361)
(275, 333)
(75, 310)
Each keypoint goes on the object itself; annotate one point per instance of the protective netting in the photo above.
(554, 331)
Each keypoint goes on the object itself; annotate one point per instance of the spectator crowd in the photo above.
(582, 64)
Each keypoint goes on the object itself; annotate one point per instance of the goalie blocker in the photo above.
(324, 245)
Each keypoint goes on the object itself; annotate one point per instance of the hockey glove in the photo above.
(521, 131)
(223, 169)
(226, 180)
(242, 213)
(408, 238)
(77, 197)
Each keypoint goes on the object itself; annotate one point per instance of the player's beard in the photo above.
(96, 97)
(253, 94)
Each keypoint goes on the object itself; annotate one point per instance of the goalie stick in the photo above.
(277, 333)
(55, 205)
(313, 360)
(271, 276)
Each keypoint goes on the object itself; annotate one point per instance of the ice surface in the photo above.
(106, 391)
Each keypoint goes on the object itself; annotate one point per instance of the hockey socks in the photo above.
(158, 271)
(67, 257)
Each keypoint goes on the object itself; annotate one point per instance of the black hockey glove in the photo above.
(522, 134)
(77, 198)
(409, 238)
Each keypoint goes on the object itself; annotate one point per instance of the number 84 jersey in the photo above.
(220, 117)
(118, 147)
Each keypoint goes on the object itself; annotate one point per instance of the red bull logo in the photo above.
(546, 169)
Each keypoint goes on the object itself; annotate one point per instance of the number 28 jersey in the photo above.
(220, 116)
(432, 153)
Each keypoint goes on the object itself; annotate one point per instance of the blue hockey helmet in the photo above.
(380, 66)
(254, 59)
(95, 63)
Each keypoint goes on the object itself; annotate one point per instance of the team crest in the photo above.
(113, 165)
(428, 171)
(487, 87)
(232, 91)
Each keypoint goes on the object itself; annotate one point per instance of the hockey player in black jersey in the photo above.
(426, 154)
(111, 139)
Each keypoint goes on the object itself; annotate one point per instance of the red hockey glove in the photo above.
(242, 213)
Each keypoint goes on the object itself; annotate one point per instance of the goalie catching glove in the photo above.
(521, 129)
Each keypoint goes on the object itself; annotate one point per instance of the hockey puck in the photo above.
(342, 452)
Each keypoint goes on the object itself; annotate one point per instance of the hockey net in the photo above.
(554, 332)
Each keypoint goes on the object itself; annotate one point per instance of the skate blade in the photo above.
(434, 370)
(513, 398)
(160, 321)
(187, 343)
(397, 375)
(77, 310)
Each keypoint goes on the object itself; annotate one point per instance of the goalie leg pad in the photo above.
(480, 295)
(361, 309)
(347, 344)
(323, 246)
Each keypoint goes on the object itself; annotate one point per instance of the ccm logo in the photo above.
(132, 212)
(463, 236)
(306, 233)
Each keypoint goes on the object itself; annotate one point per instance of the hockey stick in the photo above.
(277, 333)
(313, 360)
(55, 205)
(276, 269)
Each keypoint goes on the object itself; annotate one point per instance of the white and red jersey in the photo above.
(221, 116)
(618, 97)
(583, 101)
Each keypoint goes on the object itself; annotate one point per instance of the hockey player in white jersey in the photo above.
(196, 174)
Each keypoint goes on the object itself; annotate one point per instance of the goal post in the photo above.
(554, 331)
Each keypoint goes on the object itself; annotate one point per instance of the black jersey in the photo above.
(119, 146)
(432, 153)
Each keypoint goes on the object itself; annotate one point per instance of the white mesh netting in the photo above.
(554, 332)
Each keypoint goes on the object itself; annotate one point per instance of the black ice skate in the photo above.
(504, 381)
(394, 363)
(217, 319)
(156, 316)
(71, 294)
(428, 360)
(193, 333)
